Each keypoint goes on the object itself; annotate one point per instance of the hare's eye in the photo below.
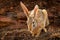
(33, 23)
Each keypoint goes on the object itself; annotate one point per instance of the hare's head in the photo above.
(32, 16)
(31, 19)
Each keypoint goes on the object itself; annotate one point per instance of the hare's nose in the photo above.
(33, 22)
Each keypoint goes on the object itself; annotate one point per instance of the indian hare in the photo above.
(37, 19)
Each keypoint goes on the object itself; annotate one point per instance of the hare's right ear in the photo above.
(24, 9)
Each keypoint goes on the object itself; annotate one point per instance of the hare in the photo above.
(37, 19)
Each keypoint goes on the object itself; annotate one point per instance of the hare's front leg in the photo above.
(29, 28)
(38, 33)
(45, 24)
(43, 27)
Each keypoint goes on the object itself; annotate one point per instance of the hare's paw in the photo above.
(37, 35)
(45, 29)
(33, 34)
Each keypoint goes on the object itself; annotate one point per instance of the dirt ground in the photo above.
(11, 24)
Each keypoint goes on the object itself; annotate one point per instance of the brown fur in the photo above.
(36, 20)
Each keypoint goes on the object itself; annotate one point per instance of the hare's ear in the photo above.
(36, 8)
(24, 9)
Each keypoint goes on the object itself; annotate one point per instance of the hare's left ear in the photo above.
(24, 9)
(36, 8)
